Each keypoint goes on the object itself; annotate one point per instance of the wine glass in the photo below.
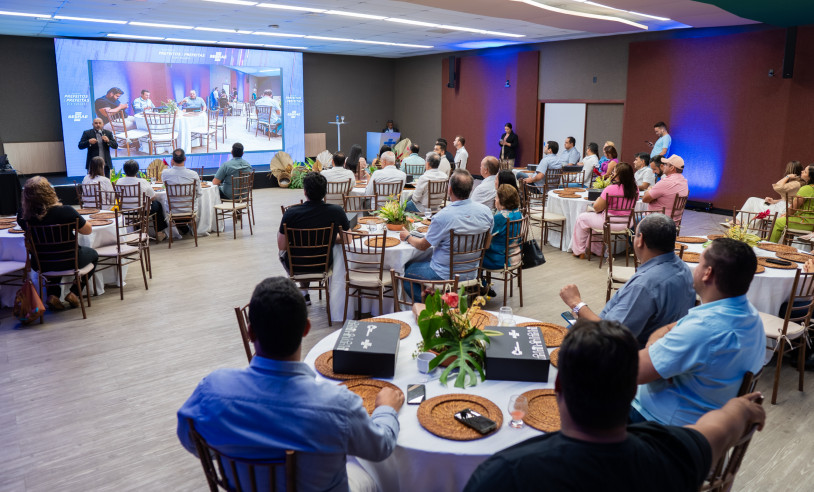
(518, 408)
(505, 316)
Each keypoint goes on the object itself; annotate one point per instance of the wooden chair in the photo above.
(516, 233)
(799, 218)
(364, 269)
(308, 254)
(761, 227)
(615, 226)
(130, 197)
(283, 208)
(552, 180)
(359, 203)
(127, 249)
(337, 190)
(437, 194)
(89, 194)
(52, 247)
(385, 192)
(792, 329)
(535, 209)
(122, 135)
(618, 276)
(235, 474)
(235, 207)
(161, 130)
(251, 115)
(264, 115)
(181, 200)
(677, 212)
(250, 175)
(466, 257)
(210, 131)
(403, 289)
(414, 170)
(242, 314)
(573, 179)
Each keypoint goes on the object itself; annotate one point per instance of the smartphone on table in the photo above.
(415, 394)
(473, 419)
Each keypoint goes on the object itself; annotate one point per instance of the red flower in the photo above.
(451, 299)
(762, 215)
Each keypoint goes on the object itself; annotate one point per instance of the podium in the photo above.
(375, 140)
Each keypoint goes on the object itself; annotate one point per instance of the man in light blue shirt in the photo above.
(143, 102)
(413, 164)
(662, 145)
(276, 404)
(232, 167)
(193, 102)
(550, 160)
(569, 155)
(660, 292)
(697, 364)
(462, 215)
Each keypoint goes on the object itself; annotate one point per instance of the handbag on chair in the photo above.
(28, 306)
(532, 254)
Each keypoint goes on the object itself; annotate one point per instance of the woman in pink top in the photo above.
(623, 184)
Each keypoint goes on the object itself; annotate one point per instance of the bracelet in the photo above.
(576, 308)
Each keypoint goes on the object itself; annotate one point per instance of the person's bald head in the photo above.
(388, 158)
(98, 123)
(489, 166)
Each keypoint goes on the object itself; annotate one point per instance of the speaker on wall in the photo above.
(451, 83)
(788, 54)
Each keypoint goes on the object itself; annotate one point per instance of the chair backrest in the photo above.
(437, 194)
(386, 191)
(757, 223)
(677, 212)
(359, 203)
(155, 169)
(414, 170)
(212, 118)
(130, 196)
(181, 198)
(533, 198)
(619, 211)
(801, 300)
(337, 191)
(118, 125)
(160, 126)
(573, 178)
(799, 213)
(466, 252)
(53, 247)
(90, 195)
(234, 474)
(504, 165)
(241, 190)
(403, 288)
(242, 314)
(552, 180)
(516, 232)
(283, 208)
(361, 254)
(263, 114)
(309, 250)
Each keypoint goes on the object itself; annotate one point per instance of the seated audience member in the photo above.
(461, 154)
(645, 178)
(590, 162)
(603, 159)
(655, 165)
(275, 404)
(268, 101)
(788, 185)
(357, 163)
(130, 177)
(595, 449)
(662, 194)
(377, 162)
(610, 164)
(413, 160)
(569, 155)
(389, 173)
(623, 184)
(230, 168)
(420, 201)
(447, 153)
(660, 292)
(40, 206)
(550, 160)
(179, 174)
(803, 219)
(339, 173)
(312, 214)
(507, 203)
(193, 102)
(441, 149)
(143, 102)
(96, 175)
(506, 177)
(461, 214)
(485, 192)
(695, 365)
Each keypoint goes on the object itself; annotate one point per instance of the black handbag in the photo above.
(532, 254)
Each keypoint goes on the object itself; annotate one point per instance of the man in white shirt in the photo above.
(645, 177)
(589, 162)
(131, 169)
(461, 155)
(419, 202)
(338, 173)
(143, 102)
(485, 192)
(387, 174)
(441, 149)
(178, 174)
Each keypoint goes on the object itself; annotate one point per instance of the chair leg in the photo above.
(347, 295)
(504, 288)
(170, 230)
(78, 280)
(327, 301)
(217, 222)
(602, 255)
(589, 251)
(195, 230)
(143, 271)
(121, 281)
(234, 223)
(801, 357)
(562, 233)
(777, 370)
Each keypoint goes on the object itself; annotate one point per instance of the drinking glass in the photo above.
(518, 408)
(505, 317)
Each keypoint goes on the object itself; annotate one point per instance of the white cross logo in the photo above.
(370, 329)
(366, 344)
(218, 56)
(514, 334)
(516, 350)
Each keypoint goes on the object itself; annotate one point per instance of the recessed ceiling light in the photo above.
(196, 41)
(412, 22)
(214, 29)
(133, 36)
(651, 16)
(233, 2)
(289, 7)
(239, 44)
(279, 34)
(88, 19)
(25, 14)
(354, 14)
(165, 26)
(449, 27)
(611, 18)
(283, 47)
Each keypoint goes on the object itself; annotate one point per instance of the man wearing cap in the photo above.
(672, 183)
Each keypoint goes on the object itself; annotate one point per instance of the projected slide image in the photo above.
(229, 104)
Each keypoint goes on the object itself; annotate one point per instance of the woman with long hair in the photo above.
(804, 218)
(788, 185)
(623, 184)
(357, 163)
(96, 174)
(612, 160)
(506, 177)
(40, 206)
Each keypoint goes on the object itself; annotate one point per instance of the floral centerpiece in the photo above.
(446, 328)
(168, 106)
(601, 183)
(395, 214)
(740, 232)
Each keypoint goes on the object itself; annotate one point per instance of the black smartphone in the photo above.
(473, 419)
(569, 317)
(777, 262)
(415, 394)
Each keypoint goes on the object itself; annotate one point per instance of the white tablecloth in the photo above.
(206, 210)
(421, 460)
(768, 290)
(406, 193)
(571, 208)
(184, 124)
(395, 257)
(12, 247)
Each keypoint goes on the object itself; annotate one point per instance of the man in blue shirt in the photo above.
(193, 102)
(662, 145)
(550, 160)
(660, 292)
(232, 167)
(276, 404)
(569, 155)
(143, 102)
(697, 364)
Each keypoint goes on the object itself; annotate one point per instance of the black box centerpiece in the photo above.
(520, 354)
(367, 348)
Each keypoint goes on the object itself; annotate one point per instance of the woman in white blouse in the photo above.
(96, 174)
(789, 184)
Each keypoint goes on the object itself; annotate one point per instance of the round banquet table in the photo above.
(12, 247)
(207, 221)
(395, 257)
(184, 124)
(421, 460)
(768, 290)
(570, 208)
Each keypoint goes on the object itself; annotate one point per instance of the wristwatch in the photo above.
(576, 308)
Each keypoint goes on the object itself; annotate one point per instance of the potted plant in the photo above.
(740, 232)
(446, 328)
(395, 214)
(297, 172)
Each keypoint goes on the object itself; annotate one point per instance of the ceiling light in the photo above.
(448, 27)
(289, 7)
(651, 16)
(214, 29)
(87, 19)
(233, 2)
(238, 43)
(279, 34)
(165, 26)
(327, 38)
(543, 6)
(411, 22)
(354, 14)
(133, 36)
(365, 41)
(196, 41)
(282, 47)
(243, 32)
(622, 10)
(24, 14)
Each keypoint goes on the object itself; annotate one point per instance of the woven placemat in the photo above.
(681, 246)
(776, 248)
(713, 237)
(543, 414)
(552, 334)
(569, 195)
(760, 269)
(205, 186)
(422, 229)
(358, 229)
(691, 257)
(762, 261)
(426, 221)
(376, 242)
(482, 319)
(404, 330)
(87, 211)
(16, 231)
(4, 226)
(798, 257)
(325, 366)
(691, 240)
(370, 220)
(100, 222)
(103, 215)
(9, 220)
(368, 389)
(437, 415)
(554, 357)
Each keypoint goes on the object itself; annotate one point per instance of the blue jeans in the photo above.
(420, 270)
(410, 207)
(634, 417)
